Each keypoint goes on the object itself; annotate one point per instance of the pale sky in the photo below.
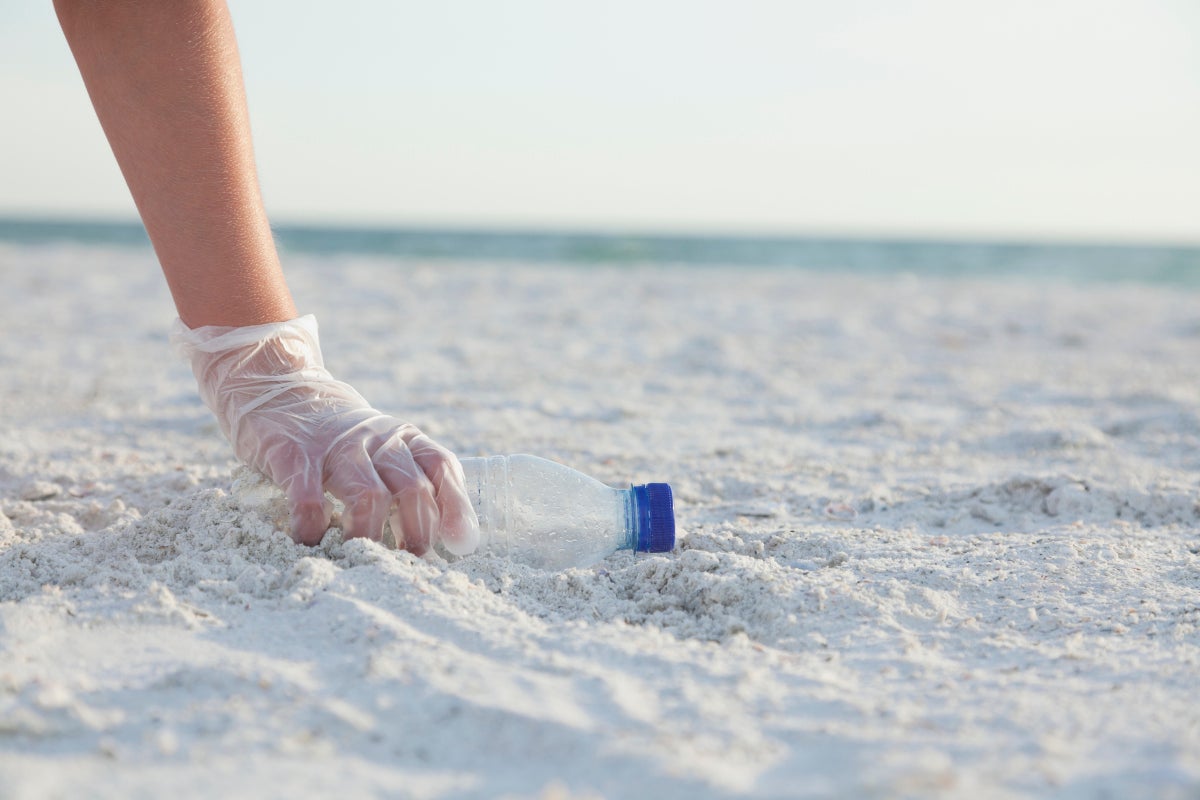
(1031, 119)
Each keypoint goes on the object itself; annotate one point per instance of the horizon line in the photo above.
(653, 231)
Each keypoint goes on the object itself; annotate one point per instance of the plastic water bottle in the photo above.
(546, 515)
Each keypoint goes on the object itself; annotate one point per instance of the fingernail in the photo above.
(460, 535)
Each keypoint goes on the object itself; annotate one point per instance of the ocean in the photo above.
(1076, 262)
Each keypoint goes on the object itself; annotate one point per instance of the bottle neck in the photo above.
(637, 518)
(631, 520)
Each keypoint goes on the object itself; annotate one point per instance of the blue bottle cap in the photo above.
(655, 518)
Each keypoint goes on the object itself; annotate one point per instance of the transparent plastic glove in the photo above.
(287, 417)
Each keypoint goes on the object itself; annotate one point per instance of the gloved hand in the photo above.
(287, 417)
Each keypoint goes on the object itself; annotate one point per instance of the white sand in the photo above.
(937, 538)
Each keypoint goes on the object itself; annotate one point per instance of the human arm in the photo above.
(165, 79)
(166, 83)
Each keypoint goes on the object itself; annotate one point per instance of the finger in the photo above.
(459, 529)
(310, 513)
(350, 477)
(415, 514)
(307, 507)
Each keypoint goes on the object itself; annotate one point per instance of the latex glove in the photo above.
(287, 417)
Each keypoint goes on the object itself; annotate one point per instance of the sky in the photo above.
(1028, 119)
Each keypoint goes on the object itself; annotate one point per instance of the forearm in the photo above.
(166, 83)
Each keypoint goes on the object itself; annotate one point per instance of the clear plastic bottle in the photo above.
(541, 513)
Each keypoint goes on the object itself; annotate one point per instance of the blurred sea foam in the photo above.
(1084, 262)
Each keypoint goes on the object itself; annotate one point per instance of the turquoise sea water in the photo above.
(1173, 265)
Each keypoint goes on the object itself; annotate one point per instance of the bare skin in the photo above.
(166, 81)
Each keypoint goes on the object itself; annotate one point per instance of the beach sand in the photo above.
(937, 538)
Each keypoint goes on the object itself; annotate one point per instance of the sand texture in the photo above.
(937, 538)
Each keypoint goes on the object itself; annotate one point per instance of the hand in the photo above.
(287, 417)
